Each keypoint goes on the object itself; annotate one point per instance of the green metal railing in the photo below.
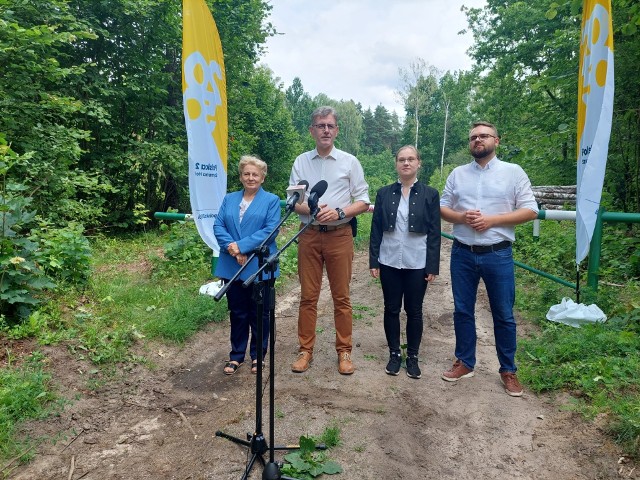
(595, 249)
(531, 269)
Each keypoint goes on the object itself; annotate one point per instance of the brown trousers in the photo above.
(334, 251)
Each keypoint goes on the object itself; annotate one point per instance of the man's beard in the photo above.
(481, 152)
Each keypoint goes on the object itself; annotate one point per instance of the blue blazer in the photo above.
(262, 216)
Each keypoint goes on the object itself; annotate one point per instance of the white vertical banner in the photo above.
(204, 94)
(595, 111)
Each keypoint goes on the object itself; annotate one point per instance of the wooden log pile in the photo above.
(555, 197)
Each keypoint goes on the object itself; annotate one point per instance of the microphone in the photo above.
(296, 194)
(314, 196)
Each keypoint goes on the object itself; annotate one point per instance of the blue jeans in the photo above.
(496, 269)
(403, 286)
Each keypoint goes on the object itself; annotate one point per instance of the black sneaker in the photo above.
(393, 367)
(413, 370)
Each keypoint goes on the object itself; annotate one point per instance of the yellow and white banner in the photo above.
(204, 94)
(595, 111)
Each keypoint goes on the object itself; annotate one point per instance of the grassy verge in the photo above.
(136, 293)
(598, 365)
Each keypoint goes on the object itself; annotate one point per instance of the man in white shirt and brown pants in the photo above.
(485, 200)
(328, 243)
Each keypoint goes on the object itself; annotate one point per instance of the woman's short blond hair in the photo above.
(252, 160)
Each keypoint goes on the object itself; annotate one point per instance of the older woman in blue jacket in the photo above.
(404, 252)
(244, 222)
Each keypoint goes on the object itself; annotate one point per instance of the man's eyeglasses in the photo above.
(407, 160)
(482, 136)
(322, 126)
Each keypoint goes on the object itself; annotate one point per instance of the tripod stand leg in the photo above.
(237, 440)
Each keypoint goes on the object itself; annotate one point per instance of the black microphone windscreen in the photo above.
(320, 187)
(305, 183)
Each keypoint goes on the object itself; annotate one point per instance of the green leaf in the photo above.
(331, 467)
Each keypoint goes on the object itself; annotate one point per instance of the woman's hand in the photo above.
(233, 249)
(241, 259)
(375, 272)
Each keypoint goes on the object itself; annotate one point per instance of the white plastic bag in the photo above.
(575, 314)
(211, 288)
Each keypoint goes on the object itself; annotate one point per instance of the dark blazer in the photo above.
(424, 217)
(262, 216)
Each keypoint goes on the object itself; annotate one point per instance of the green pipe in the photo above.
(622, 217)
(545, 275)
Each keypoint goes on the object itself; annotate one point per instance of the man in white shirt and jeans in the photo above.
(485, 200)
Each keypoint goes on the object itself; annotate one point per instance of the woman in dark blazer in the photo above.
(244, 221)
(404, 252)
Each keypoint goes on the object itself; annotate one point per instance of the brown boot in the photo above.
(303, 362)
(345, 365)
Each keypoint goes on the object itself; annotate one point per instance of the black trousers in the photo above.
(403, 286)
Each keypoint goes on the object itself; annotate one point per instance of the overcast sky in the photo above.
(352, 49)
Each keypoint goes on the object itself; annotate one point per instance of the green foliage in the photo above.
(379, 170)
(40, 110)
(361, 242)
(289, 257)
(307, 463)
(20, 276)
(598, 364)
(183, 245)
(64, 253)
(262, 125)
(24, 394)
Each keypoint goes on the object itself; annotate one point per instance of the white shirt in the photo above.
(343, 174)
(497, 188)
(401, 248)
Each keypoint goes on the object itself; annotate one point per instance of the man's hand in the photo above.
(326, 214)
(476, 220)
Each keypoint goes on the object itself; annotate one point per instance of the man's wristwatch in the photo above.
(341, 214)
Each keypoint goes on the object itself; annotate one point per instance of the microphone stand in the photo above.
(275, 256)
(256, 442)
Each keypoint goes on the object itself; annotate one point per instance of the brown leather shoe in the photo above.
(456, 372)
(345, 365)
(303, 362)
(511, 384)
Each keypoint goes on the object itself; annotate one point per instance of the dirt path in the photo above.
(160, 423)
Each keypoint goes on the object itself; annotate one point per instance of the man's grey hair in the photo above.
(323, 112)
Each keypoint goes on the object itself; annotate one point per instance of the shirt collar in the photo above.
(332, 154)
(491, 162)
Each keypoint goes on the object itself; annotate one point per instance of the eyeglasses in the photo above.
(407, 160)
(482, 136)
(322, 126)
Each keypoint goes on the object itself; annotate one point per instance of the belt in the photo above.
(483, 248)
(329, 228)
